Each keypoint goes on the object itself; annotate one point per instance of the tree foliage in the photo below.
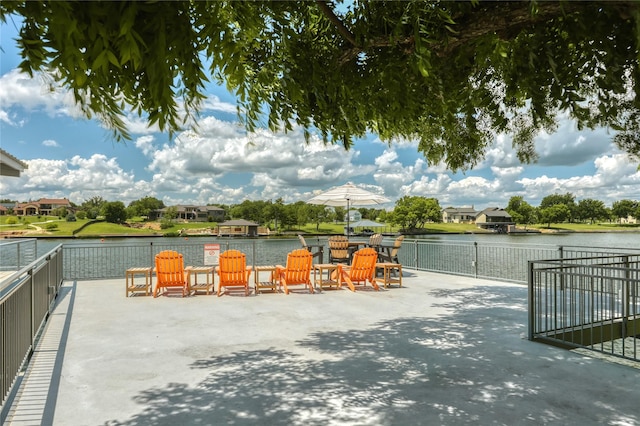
(556, 213)
(568, 200)
(591, 210)
(413, 212)
(625, 208)
(144, 206)
(521, 212)
(449, 74)
(114, 212)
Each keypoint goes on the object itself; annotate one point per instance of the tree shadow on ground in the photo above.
(472, 366)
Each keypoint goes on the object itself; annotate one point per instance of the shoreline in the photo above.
(534, 231)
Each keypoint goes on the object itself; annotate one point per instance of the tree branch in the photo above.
(342, 29)
(506, 19)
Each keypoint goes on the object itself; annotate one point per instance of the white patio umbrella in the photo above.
(347, 195)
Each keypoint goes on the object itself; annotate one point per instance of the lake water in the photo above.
(605, 239)
(591, 239)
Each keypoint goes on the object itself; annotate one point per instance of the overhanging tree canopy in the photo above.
(451, 74)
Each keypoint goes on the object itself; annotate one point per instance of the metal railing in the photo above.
(25, 305)
(107, 260)
(498, 261)
(17, 253)
(591, 302)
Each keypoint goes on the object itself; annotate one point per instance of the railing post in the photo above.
(626, 297)
(475, 259)
(531, 302)
(561, 257)
(253, 249)
(416, 257)
(151, 258)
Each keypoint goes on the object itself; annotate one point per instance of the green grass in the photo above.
(106, 228)
(99, 229)
(586, 227)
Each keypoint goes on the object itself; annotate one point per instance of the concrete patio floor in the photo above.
(440, 350)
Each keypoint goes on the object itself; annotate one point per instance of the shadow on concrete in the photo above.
(473, 366)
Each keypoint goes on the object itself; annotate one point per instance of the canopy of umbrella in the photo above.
(348, 195)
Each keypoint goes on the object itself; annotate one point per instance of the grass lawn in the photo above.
(53, 226)
(587, 227)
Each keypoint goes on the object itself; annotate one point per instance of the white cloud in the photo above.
(281, 160)
(616, 177)
(567, 146)
(50, 143)
(39, 93)
(84, 177)
(213, 103)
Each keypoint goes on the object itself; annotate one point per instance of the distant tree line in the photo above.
(409, 212)
(559, 208)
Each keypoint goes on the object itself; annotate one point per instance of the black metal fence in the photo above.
(590, 301)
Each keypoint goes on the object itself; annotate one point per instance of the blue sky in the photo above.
(70, 156)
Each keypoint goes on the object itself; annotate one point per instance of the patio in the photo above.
(442, 349)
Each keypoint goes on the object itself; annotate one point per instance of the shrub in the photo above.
(12, 220)
(51, 226)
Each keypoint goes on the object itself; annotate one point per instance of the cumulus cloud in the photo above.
(568, 147)
(616, 177)
(85, 177)
(219, 148)
(18, 90)
(50, 143)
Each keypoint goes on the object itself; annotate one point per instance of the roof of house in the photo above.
(238, 222)
(57, 201)
(495, 212)
(470, 210)
(183, 207)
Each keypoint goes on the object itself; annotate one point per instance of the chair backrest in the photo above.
(302, 241)
(364, 264)
(298, 268)
(339, 248)
(232, 267)
(375, 240)
(396, 246)
(169, 268)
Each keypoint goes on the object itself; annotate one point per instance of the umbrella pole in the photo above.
(348, 218)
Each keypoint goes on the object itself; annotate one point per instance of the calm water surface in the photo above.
(605, 239)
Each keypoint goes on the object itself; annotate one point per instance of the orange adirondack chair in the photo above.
(233, 271)
(362, 269)
(170, 273)
(298, 270)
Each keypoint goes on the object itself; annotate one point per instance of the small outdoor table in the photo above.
(387, 269)
(208, 286)
(130, 281)
(271, 284)
(319, 269)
